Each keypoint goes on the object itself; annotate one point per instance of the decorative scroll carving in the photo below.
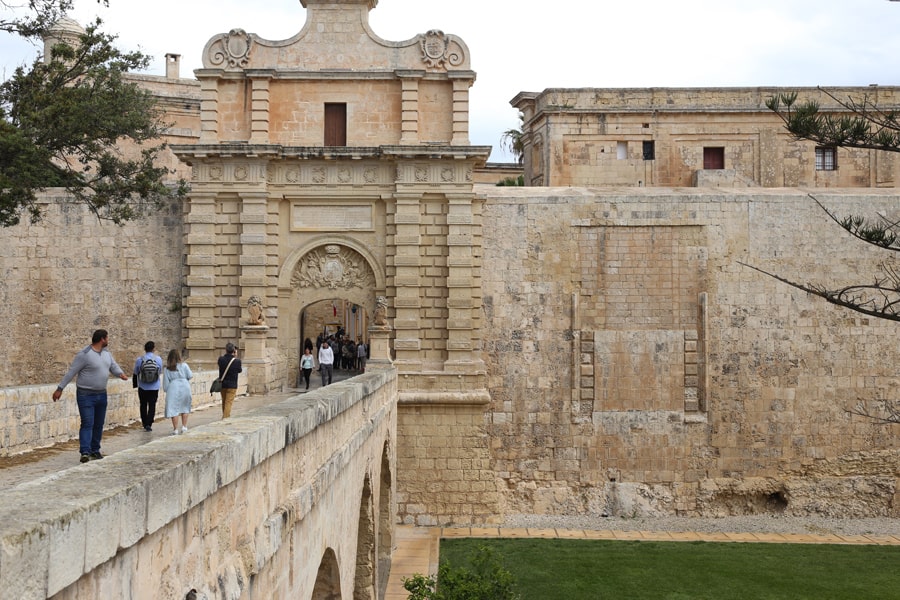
(437, 50)
(333, 267)
(231, 49)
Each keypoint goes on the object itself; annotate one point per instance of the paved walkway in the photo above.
(47, 461)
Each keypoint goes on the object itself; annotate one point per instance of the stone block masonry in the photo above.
(636, 367)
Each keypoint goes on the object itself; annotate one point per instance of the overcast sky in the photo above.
(531, 45)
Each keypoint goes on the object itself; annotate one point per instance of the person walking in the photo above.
(229, 367)
(148, 371)
(361, 356)
(92, 366)
(306, 365)
(326, 363)
(177, 386)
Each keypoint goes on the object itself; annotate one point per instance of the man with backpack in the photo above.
(147, 372)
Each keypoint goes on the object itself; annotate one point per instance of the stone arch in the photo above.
(328, 579)
(349, 251)
(364, 584)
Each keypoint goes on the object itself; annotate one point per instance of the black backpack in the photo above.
(149, 371)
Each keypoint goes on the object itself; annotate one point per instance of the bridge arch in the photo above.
(328, 579)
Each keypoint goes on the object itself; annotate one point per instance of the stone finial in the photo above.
(255, 308)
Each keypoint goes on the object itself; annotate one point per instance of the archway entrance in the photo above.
(344, 324)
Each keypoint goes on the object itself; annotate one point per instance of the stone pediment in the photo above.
(342, 27)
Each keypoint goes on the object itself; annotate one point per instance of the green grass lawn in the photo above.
(550, 569)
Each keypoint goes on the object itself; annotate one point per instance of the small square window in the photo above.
(714, 158)
(826, 158)
(649, 150)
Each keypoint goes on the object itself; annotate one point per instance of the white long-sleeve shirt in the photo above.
(326, 356)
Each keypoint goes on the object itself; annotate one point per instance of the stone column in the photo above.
(407, 342)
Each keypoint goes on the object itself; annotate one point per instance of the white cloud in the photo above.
(531, 45)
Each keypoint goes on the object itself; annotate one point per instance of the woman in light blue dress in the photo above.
(177, 386)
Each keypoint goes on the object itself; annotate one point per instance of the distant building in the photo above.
(689, 137)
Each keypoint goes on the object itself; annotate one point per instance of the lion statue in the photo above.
(255, 308)
(380, 317)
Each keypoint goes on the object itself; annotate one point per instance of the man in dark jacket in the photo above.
(229, 367)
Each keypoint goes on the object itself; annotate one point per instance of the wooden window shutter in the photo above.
(335, 124)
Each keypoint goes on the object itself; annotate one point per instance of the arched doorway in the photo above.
(344, 323)
(330, 284)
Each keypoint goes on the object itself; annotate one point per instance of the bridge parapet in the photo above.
(244, 499)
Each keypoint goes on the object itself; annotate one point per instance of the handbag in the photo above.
(216, 385)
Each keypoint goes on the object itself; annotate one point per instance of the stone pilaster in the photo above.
(461, 284)
(460, 110)
(407, 262)
(259, 106)
(209, 108)
(409, 125)
(200, 277)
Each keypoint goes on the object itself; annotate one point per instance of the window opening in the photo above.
(826, 158)
(714, 158)
(649, 150)
(335, 124)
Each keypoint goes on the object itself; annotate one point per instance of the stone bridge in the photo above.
(292, 500)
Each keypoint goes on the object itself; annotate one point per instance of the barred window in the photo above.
(826, 158)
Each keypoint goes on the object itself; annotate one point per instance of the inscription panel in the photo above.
(331, 217)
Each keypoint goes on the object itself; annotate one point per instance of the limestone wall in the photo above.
(71, 274)
(286, 499)
(29, 418)
(635, 366)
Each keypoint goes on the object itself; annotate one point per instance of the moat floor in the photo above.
(417, 547)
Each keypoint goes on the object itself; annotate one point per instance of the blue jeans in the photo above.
(92, 409)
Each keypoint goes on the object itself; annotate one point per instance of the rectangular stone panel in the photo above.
(331, 217)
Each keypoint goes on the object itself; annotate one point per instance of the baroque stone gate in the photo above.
(334, 164)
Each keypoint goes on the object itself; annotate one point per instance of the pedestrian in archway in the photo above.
(326, 363)
(306, 365)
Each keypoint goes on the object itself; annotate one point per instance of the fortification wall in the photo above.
(72, 273)
(636, 367)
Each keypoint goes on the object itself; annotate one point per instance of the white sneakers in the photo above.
(176, 432)
(184, 429)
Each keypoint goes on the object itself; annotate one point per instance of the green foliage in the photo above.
(483, 578)
(512, 181)
(857, 123)
(513, 140)
(63, 122)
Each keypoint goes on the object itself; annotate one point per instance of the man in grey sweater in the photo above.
(92, 366)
